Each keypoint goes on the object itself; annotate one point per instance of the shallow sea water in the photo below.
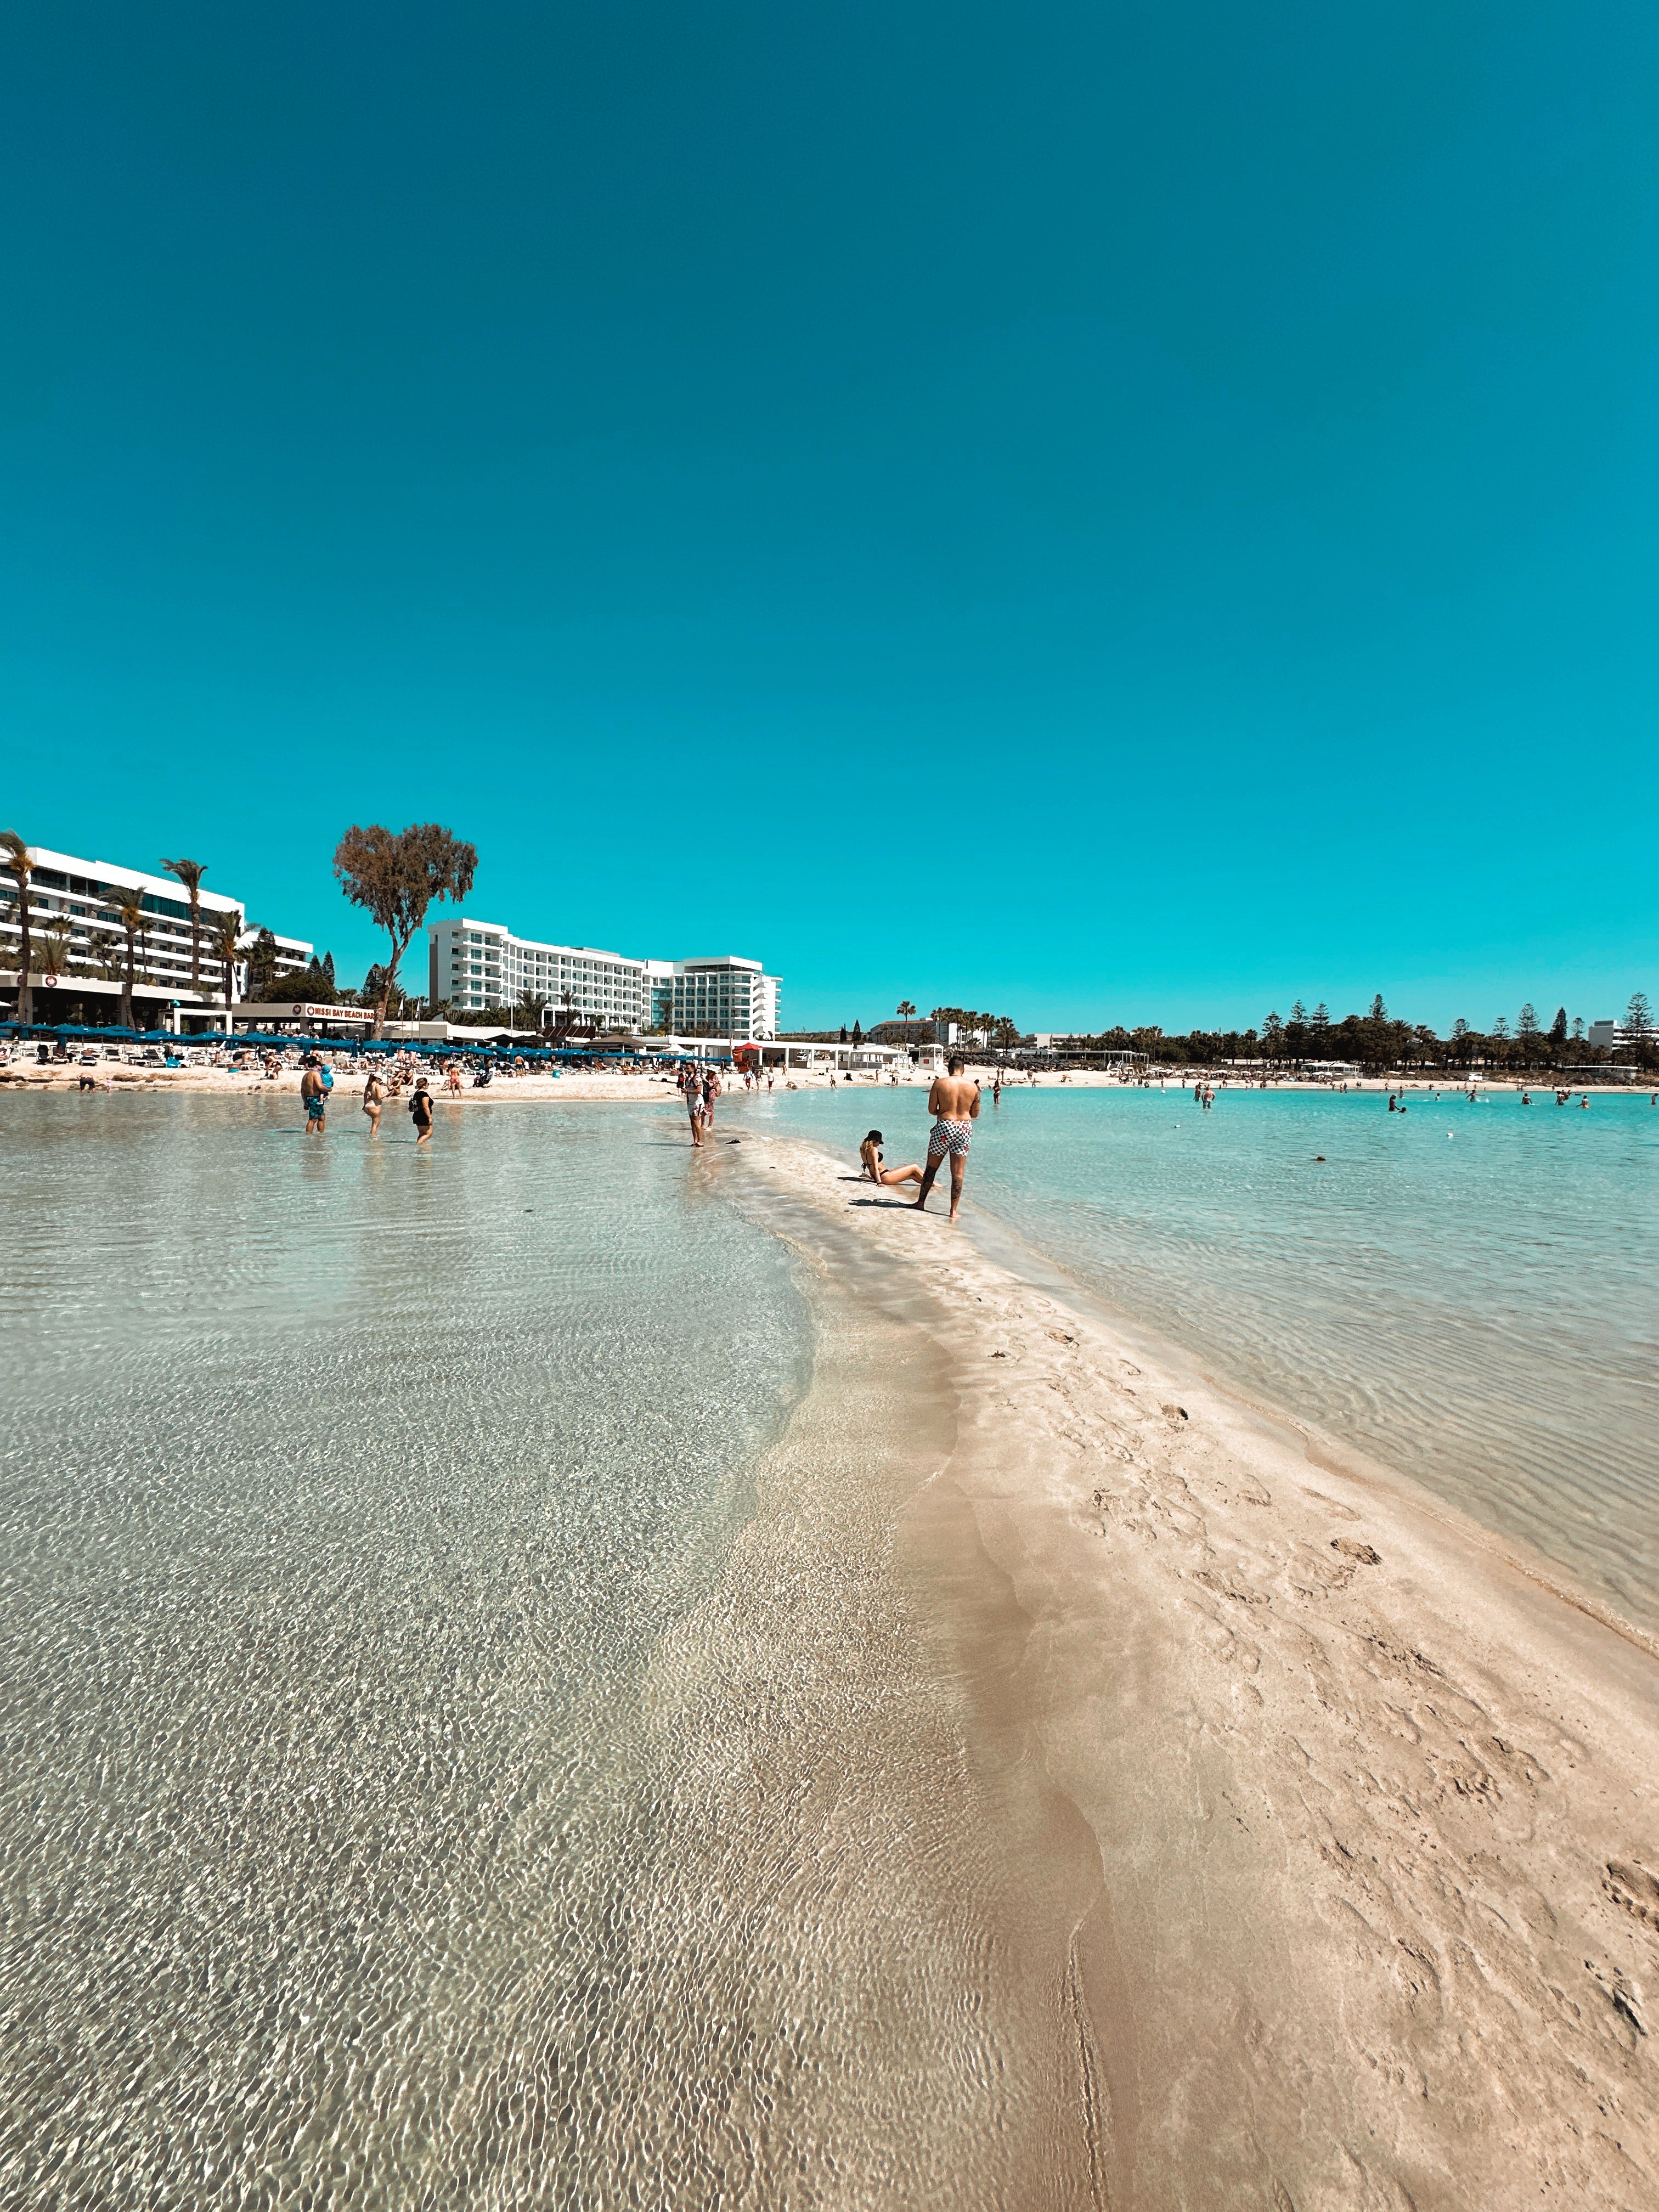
(345, 1495)
(473, 1733)
(1469, 1293)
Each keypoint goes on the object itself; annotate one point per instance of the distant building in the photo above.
(73, 924)
(1610, 1036)
(721, 997)
(475, 964)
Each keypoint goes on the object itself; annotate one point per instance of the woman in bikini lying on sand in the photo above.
(870, 1153)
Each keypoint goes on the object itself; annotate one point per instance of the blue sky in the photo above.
(1098, 512)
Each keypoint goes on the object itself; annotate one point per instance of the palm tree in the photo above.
(190, 874)
(17, 860)
(57, 950)
(905, 1013)
(129, 911)
(228, 947)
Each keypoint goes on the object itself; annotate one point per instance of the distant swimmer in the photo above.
(373, 1099)
(953, 1102)
(420, 1113)
(1526, 1098)
(870, 1153)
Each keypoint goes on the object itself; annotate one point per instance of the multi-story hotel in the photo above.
(475, 964)
(78, 945)
(481, 963)
(726, 997)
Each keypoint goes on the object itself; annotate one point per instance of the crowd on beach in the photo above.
(317, 1072)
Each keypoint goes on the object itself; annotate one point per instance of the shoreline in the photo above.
(1184, 1364)
(1375, 1806)
(29, 1075)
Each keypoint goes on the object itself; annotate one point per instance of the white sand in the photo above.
(1374, 1804)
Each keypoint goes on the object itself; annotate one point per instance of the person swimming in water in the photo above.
(870, 1153)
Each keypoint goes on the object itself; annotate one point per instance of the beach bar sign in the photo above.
(301, 1010)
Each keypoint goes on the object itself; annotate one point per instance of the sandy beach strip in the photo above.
(1370, 1804)
(348, 1082)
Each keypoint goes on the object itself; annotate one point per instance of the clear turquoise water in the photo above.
(346, 1494)
(1469, 1293)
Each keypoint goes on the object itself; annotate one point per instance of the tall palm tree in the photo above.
(129, 912)
(228, 946)
(190, 874)
(17, 860)
(905, 1013)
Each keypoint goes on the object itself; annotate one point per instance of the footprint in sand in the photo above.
(1351, 1550)
(1635, 1888)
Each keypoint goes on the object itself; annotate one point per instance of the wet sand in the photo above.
(864, 1899)
(1332, 1868)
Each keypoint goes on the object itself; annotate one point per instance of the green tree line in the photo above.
(1377, 1040)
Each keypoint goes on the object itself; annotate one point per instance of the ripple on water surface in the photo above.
(346, 1494)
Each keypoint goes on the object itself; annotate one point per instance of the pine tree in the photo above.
(1558, 1026)
(1638, 1016)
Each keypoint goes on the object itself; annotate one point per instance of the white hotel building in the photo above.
(475, 964)
(78, 946)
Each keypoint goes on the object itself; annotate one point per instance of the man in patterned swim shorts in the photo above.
(954, 1104)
